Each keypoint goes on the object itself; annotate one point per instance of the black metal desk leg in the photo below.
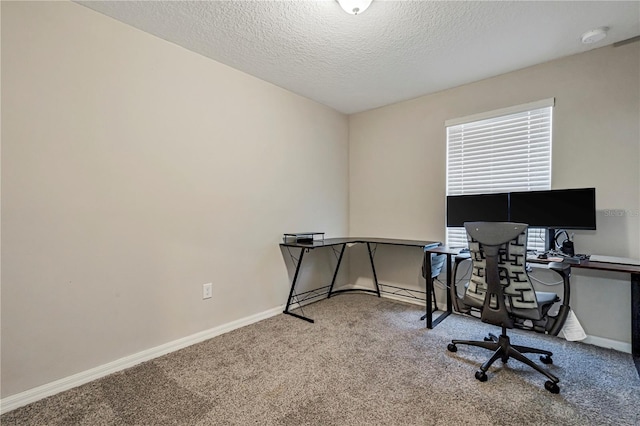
(430, 322)
(429, 288)
(635, 320)
(373, 268)
(335, 273)
(293, 286)
(450, 283)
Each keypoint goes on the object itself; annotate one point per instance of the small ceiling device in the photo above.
(354, 7)
(595, 35)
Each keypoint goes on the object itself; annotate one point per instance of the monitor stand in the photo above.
(551, 240)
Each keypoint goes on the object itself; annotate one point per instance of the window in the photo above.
(506, 150)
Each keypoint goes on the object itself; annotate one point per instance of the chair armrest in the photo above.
(560, 267)
(555, 324)
(457, 301)
(462, 256)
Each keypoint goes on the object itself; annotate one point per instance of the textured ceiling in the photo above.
(395, 50)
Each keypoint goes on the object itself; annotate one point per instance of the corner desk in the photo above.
(338, 245)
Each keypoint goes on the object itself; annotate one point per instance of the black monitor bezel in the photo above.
(500, 213)
(548, 200)
(545, 197)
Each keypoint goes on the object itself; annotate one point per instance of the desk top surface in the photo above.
(355, 240)
(606, 266)
(602, 266)
(442, 249)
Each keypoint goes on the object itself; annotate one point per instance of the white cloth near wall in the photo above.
(572, 330)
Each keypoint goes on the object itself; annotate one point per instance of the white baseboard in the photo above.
(23, 398)
(608, 343)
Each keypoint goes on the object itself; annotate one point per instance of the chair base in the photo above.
(504, 350)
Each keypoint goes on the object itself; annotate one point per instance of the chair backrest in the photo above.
(499, 252)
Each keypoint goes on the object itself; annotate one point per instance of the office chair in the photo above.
(500, 288)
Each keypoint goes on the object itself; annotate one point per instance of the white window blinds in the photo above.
(501, 151)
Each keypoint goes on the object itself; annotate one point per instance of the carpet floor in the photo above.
(366, 361)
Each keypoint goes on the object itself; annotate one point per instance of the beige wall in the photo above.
(397, 167)
(135, 171)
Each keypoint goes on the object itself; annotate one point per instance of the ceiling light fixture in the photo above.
(354, 7)
(594, 36)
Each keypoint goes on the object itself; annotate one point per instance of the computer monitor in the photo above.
(477, 208)
(557, 209)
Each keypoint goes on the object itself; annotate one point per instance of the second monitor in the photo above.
(558, 209)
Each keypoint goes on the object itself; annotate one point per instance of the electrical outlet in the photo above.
(207, 291)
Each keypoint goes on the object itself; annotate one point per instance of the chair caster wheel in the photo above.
(546, 359)
(482, 376)
(551, 387)
(452, 348)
